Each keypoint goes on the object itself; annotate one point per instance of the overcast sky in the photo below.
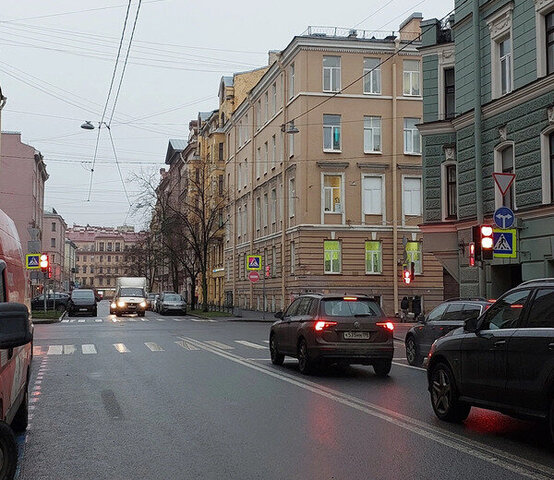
(56, 63)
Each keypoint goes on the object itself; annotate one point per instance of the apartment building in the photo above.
(53, 243)
(335, 207)
(489, 97)
(103, 254)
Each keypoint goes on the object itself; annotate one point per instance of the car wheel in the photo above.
(276, 357)
(21, 419)
(444, 395)
(8, 452)
(382, 367)
(305, 365)
(412, 352)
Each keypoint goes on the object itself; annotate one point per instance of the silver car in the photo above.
(171, 302)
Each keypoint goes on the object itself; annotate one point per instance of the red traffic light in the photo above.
(471, 254)
(487, 242)
(407, 276)
(44, 262)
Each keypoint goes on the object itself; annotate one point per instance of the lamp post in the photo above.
(88, 125)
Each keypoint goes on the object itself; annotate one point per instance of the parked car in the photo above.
(16, 338)
(151, 301)
(503, 361)
(82, 301)
(324, 329)
(159, 299)
(56, 300)
(172, 302)
(445, 317)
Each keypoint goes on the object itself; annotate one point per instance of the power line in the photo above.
(118, 167)
(373, 13)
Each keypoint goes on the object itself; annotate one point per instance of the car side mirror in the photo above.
(16, 328)
(279, 315)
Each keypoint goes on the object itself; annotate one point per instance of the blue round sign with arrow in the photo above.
(504, 217)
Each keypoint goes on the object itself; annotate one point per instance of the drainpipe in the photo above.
(477, 133)
(394, 184)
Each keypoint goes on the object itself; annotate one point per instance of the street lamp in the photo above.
(291, 128)
(88, 125)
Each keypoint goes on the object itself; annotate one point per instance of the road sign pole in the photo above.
(263, 297)
(44, 289)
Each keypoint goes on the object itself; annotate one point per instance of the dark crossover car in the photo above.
(82, 301)
(447, 316)
(54, 301)
(326, 329)
(171, 302)
(503, 361)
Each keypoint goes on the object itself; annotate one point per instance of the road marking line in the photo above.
(145, 320)
(154, 347)
(465, 445)
(186, 345)
(65, 321)
(259, 359)
(203, 320)
(178, 319)
(88, 349)
(81, 320)
(408, 366)
(132, 319)
(220, 345)
(160, 319)
(98, 320)
(69, 349)
(121, 348)
(250, 344)
(55, 350)
(72, 320)
(266, 341)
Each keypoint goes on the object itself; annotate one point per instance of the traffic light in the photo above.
(49, 271)
(44, 262)
(471, 254)
(484, 243)
(408, 273)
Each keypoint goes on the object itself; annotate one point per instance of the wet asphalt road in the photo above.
(177, 398)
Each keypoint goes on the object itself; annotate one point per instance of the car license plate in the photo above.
(356, 335)
(82, 309)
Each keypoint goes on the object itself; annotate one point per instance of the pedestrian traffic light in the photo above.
(484, 244)
(49, 271)
(44, 262)
(408, 273)
(471, 254)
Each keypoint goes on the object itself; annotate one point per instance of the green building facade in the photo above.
(510, 85)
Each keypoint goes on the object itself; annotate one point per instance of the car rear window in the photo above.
(172, 298)
(350, 308)
(131, 292)
(85, 294)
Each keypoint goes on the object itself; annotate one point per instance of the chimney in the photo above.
(410, 28)
(273, 56)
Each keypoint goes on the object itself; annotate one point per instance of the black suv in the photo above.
(503, 361)
(447, 316)
(325, 329)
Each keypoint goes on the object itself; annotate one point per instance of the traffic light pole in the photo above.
(44, 289)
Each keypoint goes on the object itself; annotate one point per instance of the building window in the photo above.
(373, 195)
(53, 242)
(549, 20)
(413, 254)
(91, 269)
(239, 222)
(53, 226)
(331, 74)
(332, 193)
(412, 139)
(109, 246)
(274, 99)
(265, 211)
(258, 213)
(239, 177)
(292, 197)
(101, 246)
(372, 75)
(505, 59)
(266, 107)
(258, 114)
(273, 151)
(273, 206)
(412, 196)
(372, 134)
(244, 221)
(411, 83)
(331, 133)
(449, 93)
(551, 152)
(258, 162)
(291, 142)
(332, 256)
(266, 157)
(273, 261)
(451, 191)
(109, 258)
(117, 247)
(292, 257)
(85, 258)
(220, 185)
(84, 269)
(291, 81)
(373, 257)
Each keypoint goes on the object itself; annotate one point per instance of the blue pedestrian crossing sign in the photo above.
(32, 261)
(504, 243)
(253, 262)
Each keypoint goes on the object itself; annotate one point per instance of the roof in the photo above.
(205, 115)
(415, 15)
(174, 147)
(228, 81)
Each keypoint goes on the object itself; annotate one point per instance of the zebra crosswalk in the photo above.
(89, 320)
(122, 348)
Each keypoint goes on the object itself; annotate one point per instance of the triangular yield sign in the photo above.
(504, 181)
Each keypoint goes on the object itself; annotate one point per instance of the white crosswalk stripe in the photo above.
(65, 320)
(160, 319)
(250, 344)
(222, 346)
(266, 341)
(82, 320)
(121, 348)
(55, 350)
(178, 319)
(154, 347)
(98, 320)
(203, 320)
(145, 319)
(69, 349)
(186, 345)
(88, 349)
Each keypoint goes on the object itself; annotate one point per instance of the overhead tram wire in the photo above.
(373, 13)
(410, 42)
(118, 167)
(108, 97)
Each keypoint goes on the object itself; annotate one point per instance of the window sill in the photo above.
(413, 154)
(374, 273)
(412, 96)
(332, 273)
(373, 94)
(331, 91)
(412, 214)
(374, 153)
(332, 213)
(331, 151)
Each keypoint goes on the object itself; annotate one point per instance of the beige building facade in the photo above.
(53, 243)
(335, 207)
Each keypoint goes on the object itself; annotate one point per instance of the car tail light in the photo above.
(387, 325)
(321, 324)
(350, 299)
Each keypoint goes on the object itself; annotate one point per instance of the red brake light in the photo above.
(321, 324)
(387, 325)
(516, 305)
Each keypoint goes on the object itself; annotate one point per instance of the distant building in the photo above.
(103, 254)
(69, 266)
(53, 243)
